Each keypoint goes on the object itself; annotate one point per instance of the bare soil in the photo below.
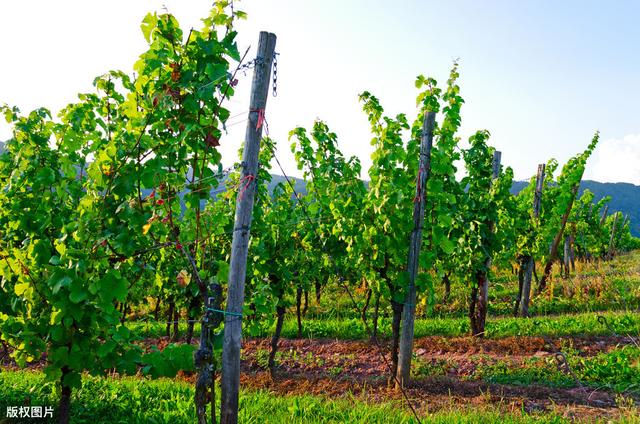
(342, 368)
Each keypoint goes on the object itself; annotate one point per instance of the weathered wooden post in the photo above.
(409, 310)
(522, 305)
(585, 255)
(553, 251)
(624, 225)
(625, 222)
(566, 254)
(612, 238)
(604, 215)
(241, 230)
(478, 312)
(572, 248)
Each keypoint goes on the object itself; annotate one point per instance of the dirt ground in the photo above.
(340, 368)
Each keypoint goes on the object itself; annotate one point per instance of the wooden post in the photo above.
(537, 197)
(566, 252)
(409, 310)
(203, 358)
(572, 248)
(497, 156)
(525, 294)
(241, 231)
(480, 293)
(553, 251)
(584, 254)
(604, 215)
(484, 292)
(625, 222)
(611, 252)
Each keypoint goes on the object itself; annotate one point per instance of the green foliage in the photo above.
(78, 231)
(484, 203)
(557, 198)
(332, 208)
(275, 246)
(169, 361)
(444, 192)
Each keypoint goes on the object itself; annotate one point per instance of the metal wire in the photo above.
(259, 60)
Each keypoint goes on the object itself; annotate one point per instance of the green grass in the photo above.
(617, 370)
(608, 288)
(130, 400)
(532, 371)
(594, 287)
(582, 324)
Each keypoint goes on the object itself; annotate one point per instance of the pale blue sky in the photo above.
(542, 76)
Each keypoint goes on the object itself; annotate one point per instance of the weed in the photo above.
(335, 371)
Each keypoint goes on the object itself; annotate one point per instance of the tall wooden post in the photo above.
(480, 298)
(484, 291)
(625, 222)
(525, 293)
(585, 255)
(612, 239)
(566, 254)
(409, 310)
(604, 215)
(553, 251)
(537, 197)
(497, 157)
(572, 248)
(241, 230)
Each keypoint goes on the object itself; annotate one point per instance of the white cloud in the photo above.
(616, 160)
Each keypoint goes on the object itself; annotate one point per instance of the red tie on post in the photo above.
(260, 117)
(248, 180)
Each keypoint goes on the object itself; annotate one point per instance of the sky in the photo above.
(542, 76)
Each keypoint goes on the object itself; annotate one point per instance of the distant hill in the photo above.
(625, 198)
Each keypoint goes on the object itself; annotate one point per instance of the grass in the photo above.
(532, 371)
(131, 400)
(581, 324)
(570, 308)
(617, 370)
(593, 287)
